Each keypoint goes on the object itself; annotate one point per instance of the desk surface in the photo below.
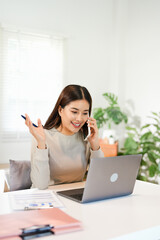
(111, 218)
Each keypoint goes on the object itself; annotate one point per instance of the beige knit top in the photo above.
(64, 160)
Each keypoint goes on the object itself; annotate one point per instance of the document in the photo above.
(53, 221)
(34, 199)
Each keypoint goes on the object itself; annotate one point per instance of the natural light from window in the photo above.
(31, 74)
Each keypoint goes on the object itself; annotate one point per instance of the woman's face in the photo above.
(73, 116)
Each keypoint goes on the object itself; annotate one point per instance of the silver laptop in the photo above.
(108, 177)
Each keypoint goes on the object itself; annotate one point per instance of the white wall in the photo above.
(112, 45)
(85, 23)
(143, 57)
(87, 27)
(138, 55)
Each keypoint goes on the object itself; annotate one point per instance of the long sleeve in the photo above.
(93, 154)
(96, 154)
(64, 161)
(40, 172)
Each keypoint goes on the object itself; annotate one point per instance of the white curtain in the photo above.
(31, 78)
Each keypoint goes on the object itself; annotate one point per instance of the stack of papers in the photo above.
(34, 199)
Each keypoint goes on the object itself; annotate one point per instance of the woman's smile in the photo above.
(76, 125)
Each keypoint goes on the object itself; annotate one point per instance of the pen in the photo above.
(32, 123)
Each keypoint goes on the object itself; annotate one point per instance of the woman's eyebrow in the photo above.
(73, 108)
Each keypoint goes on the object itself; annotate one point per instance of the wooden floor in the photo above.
(4, 165)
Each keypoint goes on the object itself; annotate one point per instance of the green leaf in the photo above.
(142, 178)
(143, 163)
(159, 166)
(131, 129)
(156, 126)
(125, 118)
(145, 151)
(147, 147)
(156, 139)
(152, 157)
(120, 153)
(156, 148)
(147, 136)
(115, 114)
(146, 126)
(111, 98)
(156, 155)
(152, 170)
(154, 113)
(110, 114)
(130, 145)
(131, 135)
(154, 119)
(98, 114)
(147, 143)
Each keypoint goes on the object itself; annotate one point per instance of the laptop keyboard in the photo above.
(77, 196)
(74, 193)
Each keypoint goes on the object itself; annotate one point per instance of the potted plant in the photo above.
(112, 113)
(145, 141)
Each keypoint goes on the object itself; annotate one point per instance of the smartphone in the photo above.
(32, 123)
(89, 133)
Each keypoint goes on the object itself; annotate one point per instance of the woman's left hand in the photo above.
(93, 138)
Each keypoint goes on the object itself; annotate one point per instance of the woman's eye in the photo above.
(85, 113)
(74, 112)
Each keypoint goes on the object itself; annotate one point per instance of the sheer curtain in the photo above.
(31, 78)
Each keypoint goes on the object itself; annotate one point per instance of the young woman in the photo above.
(59, 153)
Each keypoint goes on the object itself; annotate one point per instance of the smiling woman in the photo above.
(59, 152)
(73, 116)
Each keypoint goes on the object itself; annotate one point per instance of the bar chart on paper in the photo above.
(34, 199)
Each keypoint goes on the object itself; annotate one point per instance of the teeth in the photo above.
(77, 125)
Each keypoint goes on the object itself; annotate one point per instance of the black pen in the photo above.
(32, 123)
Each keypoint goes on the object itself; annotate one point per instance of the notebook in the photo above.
(108, 177)
(36, 223)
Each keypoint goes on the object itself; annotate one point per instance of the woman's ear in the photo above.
(60, 110)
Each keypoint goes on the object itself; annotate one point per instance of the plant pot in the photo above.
(109, 150)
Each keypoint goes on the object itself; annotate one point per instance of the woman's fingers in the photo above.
(92, 123)
(39, 123)
(37, 132)
(93, 139)
(27, 122)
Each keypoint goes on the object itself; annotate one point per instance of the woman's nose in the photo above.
(79, 118)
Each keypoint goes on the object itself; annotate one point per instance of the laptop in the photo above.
(107, 177)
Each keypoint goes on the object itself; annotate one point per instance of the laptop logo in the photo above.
(114, 177)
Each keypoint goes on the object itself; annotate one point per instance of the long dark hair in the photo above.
(69, 93)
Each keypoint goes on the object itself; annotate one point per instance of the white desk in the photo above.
(110, 218)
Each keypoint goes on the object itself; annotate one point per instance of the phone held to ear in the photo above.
(89, 133)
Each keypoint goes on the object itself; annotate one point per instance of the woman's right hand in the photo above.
(37, 132)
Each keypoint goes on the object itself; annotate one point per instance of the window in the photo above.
(31, 78)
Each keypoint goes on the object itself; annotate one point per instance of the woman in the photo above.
(59, 153)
